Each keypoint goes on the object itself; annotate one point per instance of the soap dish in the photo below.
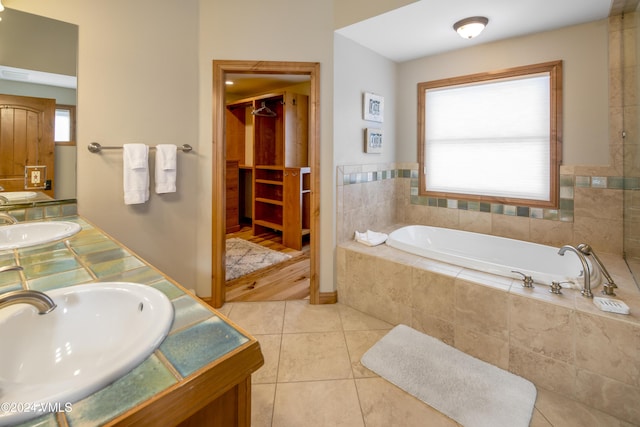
(611, 305)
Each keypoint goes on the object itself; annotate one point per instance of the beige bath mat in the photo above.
(468, 390)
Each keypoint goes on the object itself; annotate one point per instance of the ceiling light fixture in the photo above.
(1, 6)
(469, 28)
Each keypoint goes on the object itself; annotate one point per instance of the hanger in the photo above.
(264, 111)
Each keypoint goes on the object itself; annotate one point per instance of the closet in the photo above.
(268, 174)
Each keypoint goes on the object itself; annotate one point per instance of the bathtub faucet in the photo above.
(586, 289)
(610, 285)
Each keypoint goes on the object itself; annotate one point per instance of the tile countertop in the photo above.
(199, 341)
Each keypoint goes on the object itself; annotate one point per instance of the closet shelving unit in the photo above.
(268, 135)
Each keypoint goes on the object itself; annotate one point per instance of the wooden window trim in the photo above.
(72, 110)
(554, 68)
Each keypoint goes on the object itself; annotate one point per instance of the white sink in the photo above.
(14, 196)
(97, 333)
(25, 234)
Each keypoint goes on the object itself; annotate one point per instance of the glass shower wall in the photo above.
(629, 39)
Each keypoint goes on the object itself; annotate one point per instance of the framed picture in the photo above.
(373, 140)
(373, 107)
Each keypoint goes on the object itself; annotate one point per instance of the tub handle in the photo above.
(527, 281)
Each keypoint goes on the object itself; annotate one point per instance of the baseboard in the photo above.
(328, 297)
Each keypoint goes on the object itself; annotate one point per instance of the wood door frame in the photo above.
(218, 230)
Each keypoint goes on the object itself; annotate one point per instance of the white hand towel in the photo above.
(371, 238)
(136, 173)
(166, 161)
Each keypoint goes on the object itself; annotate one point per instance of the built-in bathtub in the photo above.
(557, 341)
(493, 254)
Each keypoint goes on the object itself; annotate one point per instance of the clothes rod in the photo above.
(95, 147)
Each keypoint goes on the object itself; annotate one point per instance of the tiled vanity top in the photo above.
(198, 337)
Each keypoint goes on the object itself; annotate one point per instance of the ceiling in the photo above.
(425, 27)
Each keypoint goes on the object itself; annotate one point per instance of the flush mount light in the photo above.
(469, 28)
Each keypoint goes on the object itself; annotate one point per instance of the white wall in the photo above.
(279, 30)
(138, 82)
(583, 49)
(358, 70)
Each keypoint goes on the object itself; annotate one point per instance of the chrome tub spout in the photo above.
(610, 285)
(586, 289)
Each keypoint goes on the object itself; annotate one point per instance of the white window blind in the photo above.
(490, 138)
(63, 125)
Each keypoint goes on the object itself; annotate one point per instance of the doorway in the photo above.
(221, 69)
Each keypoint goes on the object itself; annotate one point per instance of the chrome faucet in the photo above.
(586, 289)
(610, 285)
(8, 218)
(41, 301)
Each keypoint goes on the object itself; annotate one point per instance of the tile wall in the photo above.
(377, 196)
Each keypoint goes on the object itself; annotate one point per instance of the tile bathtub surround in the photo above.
(376, 196)
(197, 338)
(313, 377)
(563, 344)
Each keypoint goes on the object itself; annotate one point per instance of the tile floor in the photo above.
(312, 376)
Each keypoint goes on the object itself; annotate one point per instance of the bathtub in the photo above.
(492, 254)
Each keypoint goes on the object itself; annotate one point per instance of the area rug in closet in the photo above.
(472, 392)
(244, 257)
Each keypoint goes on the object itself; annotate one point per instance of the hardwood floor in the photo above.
(288, 280)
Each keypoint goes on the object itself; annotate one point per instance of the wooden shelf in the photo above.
(275, 149)
(266, 181)
(270, 201)
(268, 224)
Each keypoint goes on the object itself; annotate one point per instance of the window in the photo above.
(65, 125)
(492, 137)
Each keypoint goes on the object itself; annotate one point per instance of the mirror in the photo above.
(38, 59)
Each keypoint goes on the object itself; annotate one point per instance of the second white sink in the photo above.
(15, 196)
(25, 234)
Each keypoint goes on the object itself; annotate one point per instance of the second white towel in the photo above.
(136, 173)
(166, 165)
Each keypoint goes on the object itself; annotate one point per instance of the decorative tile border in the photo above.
(565, 213)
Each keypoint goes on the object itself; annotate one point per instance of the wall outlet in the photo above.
(35, 177)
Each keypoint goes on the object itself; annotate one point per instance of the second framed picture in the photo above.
(373, 141)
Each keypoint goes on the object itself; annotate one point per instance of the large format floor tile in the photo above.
(313, 377)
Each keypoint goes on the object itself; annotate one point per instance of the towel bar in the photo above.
(95, 147)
